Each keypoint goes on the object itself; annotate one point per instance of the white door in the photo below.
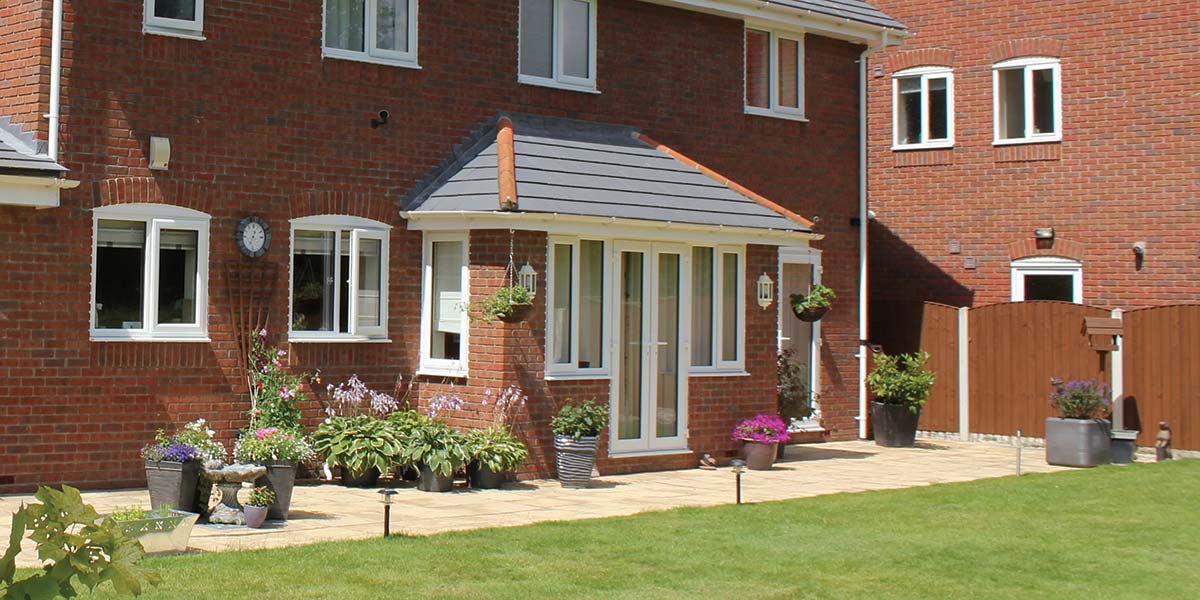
(649, 391)
(799, 270)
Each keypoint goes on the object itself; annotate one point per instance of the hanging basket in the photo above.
(516, 313)
(811, 314)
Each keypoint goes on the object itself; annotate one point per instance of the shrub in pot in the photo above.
(812, 306)
(280, 452)
(1079, 437)
(577, 430)
(257, 505)
(438, 451)
(363, 446)
(174, 464)
(510, 304)
(495, 452)
(901, 385)
(760, 439)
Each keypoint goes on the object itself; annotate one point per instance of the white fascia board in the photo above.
(606, 227)
(781, 17)
(35, 192)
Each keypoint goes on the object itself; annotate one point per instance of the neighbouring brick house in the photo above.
(192, 128)
(1022, 150)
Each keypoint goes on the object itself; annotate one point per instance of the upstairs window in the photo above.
(339, 279)
(717, 311)
(382, 31)
(577, 325)
(923, 108)
(183, 18)
(774, 74)
(558, 43)
(149, 273)
(1028, 100)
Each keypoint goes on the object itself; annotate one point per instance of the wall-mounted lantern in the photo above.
(766, 291)
(527, 278)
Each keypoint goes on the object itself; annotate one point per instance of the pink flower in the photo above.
(266, 432)
(285, 394)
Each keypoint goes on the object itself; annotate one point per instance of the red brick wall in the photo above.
(1126, 169)
(25, 63)
(260, 125)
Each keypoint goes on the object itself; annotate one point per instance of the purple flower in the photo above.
(179, 453)
(763, 428)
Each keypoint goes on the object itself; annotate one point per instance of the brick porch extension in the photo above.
(330, 512)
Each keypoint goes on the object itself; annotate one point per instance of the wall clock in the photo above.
(253, 236)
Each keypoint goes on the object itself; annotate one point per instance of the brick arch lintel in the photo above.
(154, 190)
(377, 207)
(924, 57)
(1028, 248)
(1039, 46)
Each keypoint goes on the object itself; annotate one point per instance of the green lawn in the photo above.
(1111, 532)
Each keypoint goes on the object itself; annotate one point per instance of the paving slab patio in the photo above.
(330, 512)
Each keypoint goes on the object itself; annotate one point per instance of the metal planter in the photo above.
(576, 459)
(281, 478)
(894, 424)
(1078, 442)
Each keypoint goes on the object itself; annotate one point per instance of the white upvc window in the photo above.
(718, 309)
(1027, 105)
(445, 326)
(1047, 278)
(774, 73)
(339, 279)
(923, 108)
(149, 273)
(378, 31)
(577, 330)
(179, 18)
(558, 44)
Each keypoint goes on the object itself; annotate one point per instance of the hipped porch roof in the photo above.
(555, 166)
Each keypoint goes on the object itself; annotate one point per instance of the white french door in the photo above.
(652, 308)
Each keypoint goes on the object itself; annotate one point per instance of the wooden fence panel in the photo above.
(902, 327)
(1161, 354)
(1014, 350)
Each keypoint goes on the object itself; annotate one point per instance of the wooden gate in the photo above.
(1161, 355)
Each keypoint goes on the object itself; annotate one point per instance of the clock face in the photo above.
(253, 237)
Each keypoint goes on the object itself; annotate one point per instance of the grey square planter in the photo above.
(1078, 442)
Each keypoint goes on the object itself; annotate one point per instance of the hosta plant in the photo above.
(764, 429)
(497, 448)
(358, 444)
(435, 445)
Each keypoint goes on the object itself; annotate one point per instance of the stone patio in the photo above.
(331, 512)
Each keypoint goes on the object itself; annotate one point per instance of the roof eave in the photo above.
(790, 18)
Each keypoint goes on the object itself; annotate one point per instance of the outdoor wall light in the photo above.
(387, 497)
(527, 278)
(766, 291)
(1043, 233)
(739, 466)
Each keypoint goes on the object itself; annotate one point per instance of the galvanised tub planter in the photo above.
(1078, 442)
(576, 458)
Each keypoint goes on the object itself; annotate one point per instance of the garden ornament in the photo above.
(1162, 445)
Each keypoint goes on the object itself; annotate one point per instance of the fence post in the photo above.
(1117, 373)
(964, 401)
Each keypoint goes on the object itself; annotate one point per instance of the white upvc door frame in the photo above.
(800, 255)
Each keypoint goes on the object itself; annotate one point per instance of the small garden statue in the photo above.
(1162, 445)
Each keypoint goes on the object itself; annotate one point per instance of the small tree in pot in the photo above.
(577, 430)
(760, 439)
(1080, 436)
(901, 384)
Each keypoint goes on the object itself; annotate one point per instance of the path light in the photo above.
(766, 290)
(387, 497)
(527, 278)
(739, 467)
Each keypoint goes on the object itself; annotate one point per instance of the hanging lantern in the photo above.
(766, 290)
(527, 278)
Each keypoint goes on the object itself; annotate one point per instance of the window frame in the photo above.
(184, 28)
(359, 229)
(719, 366)
(774, 109)
(156, 217)
(925, 73)
(370, 52)
(427, 365)
(571, 369)
(1028, 65)
(558, 79)
(1046, 265)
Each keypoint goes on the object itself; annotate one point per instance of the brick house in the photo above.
(1036, 150)
(357, 172)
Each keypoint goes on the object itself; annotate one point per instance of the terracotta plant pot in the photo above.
(517, 313)
(811, 315)
(759, 456)
(281, 478)
(895, 426)
(255, 515)
(479, 476)
(173, 484)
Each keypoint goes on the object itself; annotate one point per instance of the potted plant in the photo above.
(577, 430)
(257, 506)
(404, 422)
(161, 529)
(1079, 437)
(510, 304)
(280, 452)
(174, 464)
(812, 306)
(363, 446)
(494, 453)
(274, 391)
(901, 385)
(437, 451)
(760, 439)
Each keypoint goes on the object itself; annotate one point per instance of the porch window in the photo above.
(150, 273)
(774, 74)
(1047, 278)
(183, 18)
(576, 324)
(445, 326)
(383, 31)
(558, 43)
(339, 279)
(1027, 100)
(923, 108)
(717, 309)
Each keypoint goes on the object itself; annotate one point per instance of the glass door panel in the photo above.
(667, 351)
(632, 338)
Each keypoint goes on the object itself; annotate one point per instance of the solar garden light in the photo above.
(739, 467)
(387, 497)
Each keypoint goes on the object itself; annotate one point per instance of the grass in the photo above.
(1111, 532)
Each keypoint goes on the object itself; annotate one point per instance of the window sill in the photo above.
(367, 58)
(719, 373)
(175, 33)
(435, 372)
(929, 146)
(558, 85)
(577, 376)
(1046, 140)
(337, 340)
(638, 453)
(146, 338)
(774, 114)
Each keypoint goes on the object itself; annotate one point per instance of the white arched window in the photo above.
(339, 279)
(1027, 95)
(923, 108)
(149, 273)
(1047, 278)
